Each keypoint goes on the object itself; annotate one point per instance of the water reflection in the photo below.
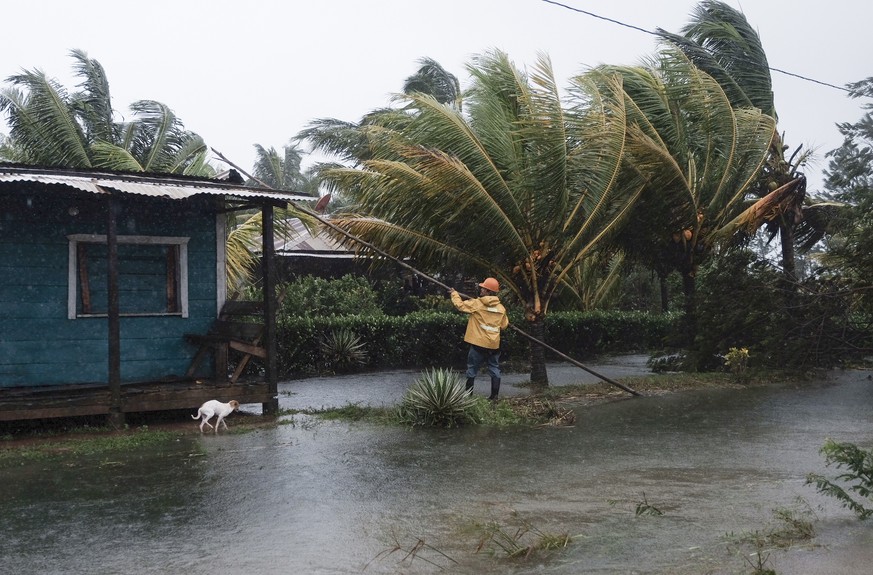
(336, 497)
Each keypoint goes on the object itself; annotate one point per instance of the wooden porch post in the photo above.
(116, 415)
(270, 305)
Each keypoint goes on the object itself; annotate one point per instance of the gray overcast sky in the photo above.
(256, 72)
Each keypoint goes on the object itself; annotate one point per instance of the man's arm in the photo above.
(461, 305)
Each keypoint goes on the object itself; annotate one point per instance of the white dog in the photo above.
(215, 407)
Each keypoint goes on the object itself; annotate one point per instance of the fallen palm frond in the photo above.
(519, 542)
(416, 551)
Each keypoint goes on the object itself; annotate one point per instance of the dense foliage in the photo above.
(850, 181)
(742, 302)
(531, 182)
(311, 296)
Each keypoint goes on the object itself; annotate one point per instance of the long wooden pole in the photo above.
(431, 279)
(269, 270)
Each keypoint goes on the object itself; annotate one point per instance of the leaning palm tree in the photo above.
(720, 41)
(698, 153)
(519, 186)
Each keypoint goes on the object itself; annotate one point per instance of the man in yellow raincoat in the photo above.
(487, 318)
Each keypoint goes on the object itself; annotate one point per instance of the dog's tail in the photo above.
(196, 416)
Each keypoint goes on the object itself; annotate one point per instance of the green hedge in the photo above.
(585, 334)
(435, 339)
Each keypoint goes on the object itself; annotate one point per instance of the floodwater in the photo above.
(326, 497)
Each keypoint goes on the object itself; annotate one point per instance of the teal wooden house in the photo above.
(111, 285)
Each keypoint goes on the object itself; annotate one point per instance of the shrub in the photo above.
(436, 399)
(736, 360)
(310, 296)
(858, 476)
(342, 350)
(742, 301)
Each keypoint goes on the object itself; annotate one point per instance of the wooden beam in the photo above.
(116, 415)
(249, 348)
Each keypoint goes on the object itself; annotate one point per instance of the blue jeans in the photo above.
(477, 355)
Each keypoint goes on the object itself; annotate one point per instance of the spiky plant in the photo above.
(342, 350)
(436, 399)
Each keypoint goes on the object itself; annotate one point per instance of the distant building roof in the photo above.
(302, 243)
(169, 186)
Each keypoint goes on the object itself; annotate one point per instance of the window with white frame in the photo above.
(152, 276)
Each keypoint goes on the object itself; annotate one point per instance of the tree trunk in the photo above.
(665, 295)
(786, 236)
(538, 374)
(690, 321)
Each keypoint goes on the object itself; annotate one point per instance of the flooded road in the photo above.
(329, 497)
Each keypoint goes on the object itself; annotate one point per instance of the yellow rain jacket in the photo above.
(487, 318)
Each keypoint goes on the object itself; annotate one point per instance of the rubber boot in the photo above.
(495, 388)
(469, 385)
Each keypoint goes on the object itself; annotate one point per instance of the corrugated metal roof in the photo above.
(302, 242)
(171, 187)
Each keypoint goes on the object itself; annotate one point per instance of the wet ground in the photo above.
(328, 497)
(387, 388)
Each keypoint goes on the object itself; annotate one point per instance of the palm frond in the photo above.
(432, 79)
(159, 141)
(819, 220)
(731, 51)
(404, 242)
(93, 102)
(113, 157)
(240, 248)
(766, 209)
(42, 121)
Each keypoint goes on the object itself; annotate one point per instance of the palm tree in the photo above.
(519, 187)
(698, 153)
(280, 172)
(720, 41)
(432, 79)
(51, 127)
